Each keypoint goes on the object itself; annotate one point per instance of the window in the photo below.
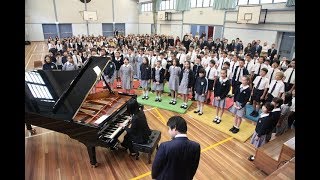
(145, 7)
(279, 1)
(242, 2)
(193, 3)
(254, 2)
(167, 4)
(206, 3)
(265, 1)
(199, 3)
(37, 86)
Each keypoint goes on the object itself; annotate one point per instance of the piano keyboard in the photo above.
(114, 129)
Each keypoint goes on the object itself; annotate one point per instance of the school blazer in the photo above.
(242, 97)
(109, 70)
(118, 63)
(272, 121)
(201, 85)
(196, 73)
(145, 72)
(139, 130)
(176, 159)
(190, 77)
(244, 71)
(162, 71)
(262, 125)
(221, 89)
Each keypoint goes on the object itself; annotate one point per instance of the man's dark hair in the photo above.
(278, 100)
(177, 122)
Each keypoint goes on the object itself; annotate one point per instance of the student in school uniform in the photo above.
(241, 97)
(48, 65)
(291, 118)
(276, 87)
(118, 61)
(201, 88)
(249, 64)
(186, 81)
(259, 136)
(221, 90)
(131, 57)
(259, 91)
(174, 71)
(181, 56)
(158, 79)
(126, 74)
(284, 64)
(205, 60)
(145, 70)
(226, 65)
(195, 69)
(138, 62)
(275, 116)
(238, 73)
(211, 75)
(257, 67)
(69, 65)
(222, 60)
(273, 70)
(289, 74)
(233, 64)
(267, 63)
(109, 73)
(282, 125)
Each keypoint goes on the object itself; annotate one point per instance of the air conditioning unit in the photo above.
(164, 16)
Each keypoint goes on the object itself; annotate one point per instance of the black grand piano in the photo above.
(63, 101)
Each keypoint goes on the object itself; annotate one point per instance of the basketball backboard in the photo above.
(249, 14)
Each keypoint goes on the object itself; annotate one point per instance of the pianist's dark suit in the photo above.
(139, 131)
(176, 159)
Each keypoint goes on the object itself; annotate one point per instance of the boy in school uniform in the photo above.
(289, 74)
(249, 63)
(196, 67)
(211, 75)
(257, 67)
(221, 90)
(273, 70)
(238, 73)
(276, 87)
(158, 79)
(241, 97)
(259, 91)
(233, 64)
(201, 88)
(181, 56)
(222, 60)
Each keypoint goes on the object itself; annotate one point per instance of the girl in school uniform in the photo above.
(275, 116)
(276, 87)
(282, 125)
(69, 65)
(259, 136)
(126, 75)
(211, 74)
(145, 70)
(48, 65)
(158, 79)
(201, 88)
(174, 71)
(186, 80)
(221, 90)
(241, 97)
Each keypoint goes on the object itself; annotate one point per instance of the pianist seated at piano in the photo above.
(69, 65)
(139, 131)
(48, 64)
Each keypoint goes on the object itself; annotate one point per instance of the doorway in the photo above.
(287, 45)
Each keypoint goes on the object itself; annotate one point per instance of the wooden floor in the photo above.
(52, 155)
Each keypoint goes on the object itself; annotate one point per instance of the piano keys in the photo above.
(61, 101)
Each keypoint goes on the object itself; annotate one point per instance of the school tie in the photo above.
(222, 63)
(290, 76)
(259, 69)
(271, 76)
(274, 86)
(247, 65)
(233, 67)
(239, 74)
(208, 73)
(259, 83)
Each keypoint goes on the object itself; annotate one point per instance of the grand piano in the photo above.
(63, 101)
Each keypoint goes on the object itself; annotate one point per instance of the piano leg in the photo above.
(92, 155)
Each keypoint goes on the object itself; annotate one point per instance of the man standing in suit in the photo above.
(178, 158)
(272, 52)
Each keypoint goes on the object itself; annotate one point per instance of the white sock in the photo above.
(217, 117)
(236, 127)
(200, 108)
(144, 94)
(147, 93)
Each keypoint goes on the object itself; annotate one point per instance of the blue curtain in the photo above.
(183, 5)
(291, 3)
(224, 4)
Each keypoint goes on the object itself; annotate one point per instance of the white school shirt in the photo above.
(278, 89)
(263, 84)
(249, 66)
(265, 49)
(256, 67)
(182, 59)
(77, 60)
(221, 62)
(59, 47)
(213, 72)
(154, 61)
(293, 105)
(193, 56)
(287, 74)
(51, 46)
(235, 73)
(233, 66)
(205, 61)
(270, 70)
(164, 63)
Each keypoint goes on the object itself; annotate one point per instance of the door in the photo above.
(107, 29)
(194, 30)
(202, 29)
(49, 30)
(287, 45)
(210, 31)
(121, 27)
(65, 30)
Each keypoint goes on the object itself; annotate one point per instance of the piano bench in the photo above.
(153, 141)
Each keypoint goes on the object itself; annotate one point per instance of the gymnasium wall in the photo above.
(38, 12)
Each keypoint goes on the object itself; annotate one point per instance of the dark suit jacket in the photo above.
(139, 130)
(271, 54)
(176, 159)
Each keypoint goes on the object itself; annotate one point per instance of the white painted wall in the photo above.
(79, 29)
(165, 29)
(126, 11)
(146, 17)
(247, 35)
(39, 11)
(68, 11)
(103, 8)
(176, 30)
(186, 29)
(144, 29)
(95, 29)
(34, 32)
(131, 28)
(206, 16)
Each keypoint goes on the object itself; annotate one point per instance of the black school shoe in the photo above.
(232, 129)
(251, 158)
(147, 97)
(200, 113)
(171, 102)
(185, 106)
(159, 100)
(235, 131)
(174, 102)
(218, 121)
(156, 100)
(196, 111)
(143, 97)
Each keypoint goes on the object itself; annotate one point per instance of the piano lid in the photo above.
(59, 94)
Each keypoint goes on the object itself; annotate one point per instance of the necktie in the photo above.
(259, 83)
(290, 76)
(239, 74)
(208, 73)
(259, 69)
(233, 67)
(271, 76)
(274, 86)
(247, 65)
(222, 63)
